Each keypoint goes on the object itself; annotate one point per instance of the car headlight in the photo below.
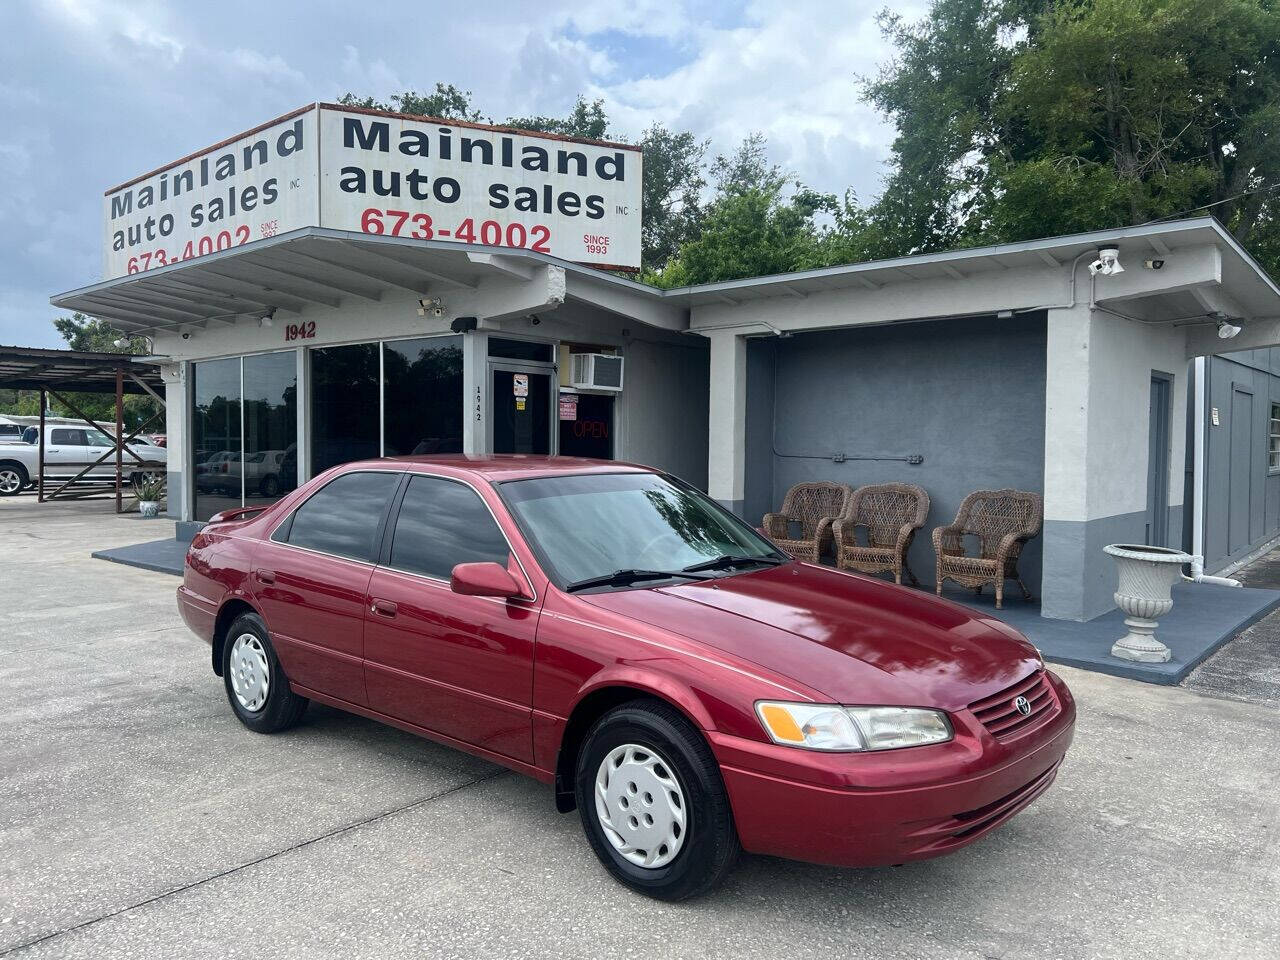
(826, 726)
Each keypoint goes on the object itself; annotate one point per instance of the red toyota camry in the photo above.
(608, 629)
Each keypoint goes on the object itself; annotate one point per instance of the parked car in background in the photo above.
(261, 472)
(68, 451)
(215, 475)
(10, 432)
(611, 631)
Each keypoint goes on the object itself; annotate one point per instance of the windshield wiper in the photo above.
(620, 578)
(731, 560)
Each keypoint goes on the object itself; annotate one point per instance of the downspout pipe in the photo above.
(1197, 485)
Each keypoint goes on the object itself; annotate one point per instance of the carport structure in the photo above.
(57, 373)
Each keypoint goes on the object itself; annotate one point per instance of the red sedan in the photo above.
(690, 689)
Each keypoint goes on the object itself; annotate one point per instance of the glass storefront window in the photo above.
(215, 424)
(244, 431)
(270, 464)
(422, 396)
(344, 405)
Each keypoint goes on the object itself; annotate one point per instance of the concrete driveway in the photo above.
(139, 819)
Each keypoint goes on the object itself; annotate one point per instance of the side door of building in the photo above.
(460, 666)
(310, 581)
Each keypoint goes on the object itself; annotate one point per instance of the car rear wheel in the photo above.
(653, 804)
(13, 479)
(256, 685)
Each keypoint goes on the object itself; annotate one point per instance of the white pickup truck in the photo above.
(68, 451)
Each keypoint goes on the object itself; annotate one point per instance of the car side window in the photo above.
(343, 516)
(441, 524)
(70, 438)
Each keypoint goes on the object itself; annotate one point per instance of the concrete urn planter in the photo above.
(149, 508)
(1146, 577)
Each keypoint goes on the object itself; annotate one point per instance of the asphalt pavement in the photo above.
(138, 819)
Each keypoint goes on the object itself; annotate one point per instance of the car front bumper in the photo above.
(889, 807)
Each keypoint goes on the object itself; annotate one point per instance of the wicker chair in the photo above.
(814, 506)
(1002, 520)
(891, 513)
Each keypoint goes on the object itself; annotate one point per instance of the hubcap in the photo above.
(9, 481)
(250, 679)
(641, 806)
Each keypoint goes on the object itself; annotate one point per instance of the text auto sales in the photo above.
(371, 136)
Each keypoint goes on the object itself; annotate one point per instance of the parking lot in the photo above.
(139, 819)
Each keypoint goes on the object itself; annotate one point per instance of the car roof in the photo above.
(514, 466)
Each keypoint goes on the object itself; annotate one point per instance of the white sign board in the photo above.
(378, 173)
(472, 184)
(255, 186)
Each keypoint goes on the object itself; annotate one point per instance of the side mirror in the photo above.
(484, 580)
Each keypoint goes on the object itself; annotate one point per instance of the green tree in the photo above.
(1139, 110)
(1029, 118)
(447, 102)
(587, 120)
(760, 221)
(674, 165)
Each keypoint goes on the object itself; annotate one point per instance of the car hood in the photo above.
(855, 639)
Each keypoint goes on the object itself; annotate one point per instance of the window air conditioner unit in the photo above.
(596, 371)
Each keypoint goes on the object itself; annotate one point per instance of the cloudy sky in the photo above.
(95, 92)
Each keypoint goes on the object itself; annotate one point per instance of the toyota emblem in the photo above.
(1023, 705)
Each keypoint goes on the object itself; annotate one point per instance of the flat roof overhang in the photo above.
(1253, 291)
(322, 266)
(317, 266)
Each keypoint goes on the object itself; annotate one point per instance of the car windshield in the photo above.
(593, 526)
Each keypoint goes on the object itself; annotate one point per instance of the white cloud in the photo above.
(790, 72)
(129, 27)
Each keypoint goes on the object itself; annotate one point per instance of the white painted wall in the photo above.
(1097, 412)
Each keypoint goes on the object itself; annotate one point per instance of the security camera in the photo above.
(1107, 263)
(1153, 264)
(433, 307)
(267, 318)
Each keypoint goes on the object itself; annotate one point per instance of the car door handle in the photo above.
(386, 608)
(265, 576)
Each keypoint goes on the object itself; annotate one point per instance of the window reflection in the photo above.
(216, 438)
(270, 462)
(344, 405)
(342, 517)
(422, 394)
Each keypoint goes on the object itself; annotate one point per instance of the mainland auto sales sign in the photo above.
(379, 173)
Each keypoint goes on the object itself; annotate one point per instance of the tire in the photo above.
(270, 486)
(248, 645)
(13, 478)
(648, 746)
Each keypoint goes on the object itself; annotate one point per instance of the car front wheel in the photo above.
(653, 804)
(256, 685)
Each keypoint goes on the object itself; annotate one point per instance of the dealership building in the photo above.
(340, 284)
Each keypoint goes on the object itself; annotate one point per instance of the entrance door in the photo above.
(1241, 469)
(586, 426)
(1158, 463)
(520, 412)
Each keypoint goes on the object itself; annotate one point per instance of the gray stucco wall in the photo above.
(968, 395)
(1242, 496)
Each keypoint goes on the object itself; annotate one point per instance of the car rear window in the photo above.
(343, 516)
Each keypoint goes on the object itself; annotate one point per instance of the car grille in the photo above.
(1000, 715)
